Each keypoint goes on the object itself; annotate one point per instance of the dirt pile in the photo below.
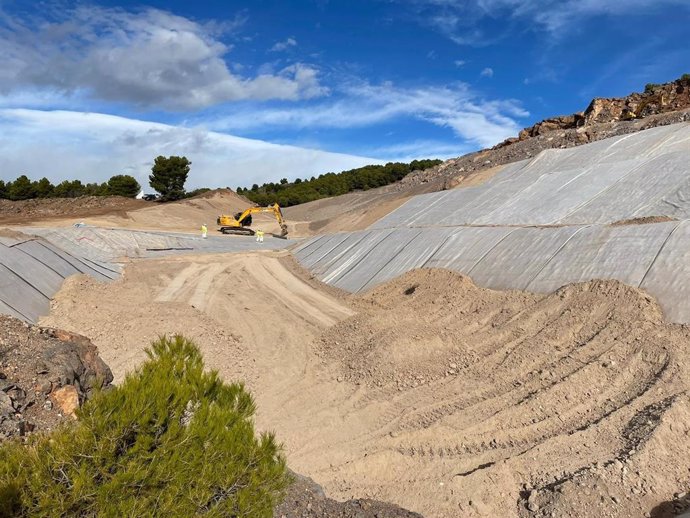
(30, 211)
(429, 392)
(583, 391)
(183, 215)
(45, 374)
(112, 211)
(658, 105)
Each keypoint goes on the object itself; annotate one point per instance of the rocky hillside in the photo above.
(658, 105)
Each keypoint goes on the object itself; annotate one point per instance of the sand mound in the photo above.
(428, 392)
(450, 324)
(569, 389)
(190, 213)
(179, 216)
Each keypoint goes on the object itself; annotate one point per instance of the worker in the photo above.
(204, 231)
(259, 236)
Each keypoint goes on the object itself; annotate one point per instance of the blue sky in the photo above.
(255, 91)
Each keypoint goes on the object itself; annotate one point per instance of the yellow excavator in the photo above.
(240, 222)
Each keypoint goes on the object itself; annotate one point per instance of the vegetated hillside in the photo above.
(333, 184)
(658, 105)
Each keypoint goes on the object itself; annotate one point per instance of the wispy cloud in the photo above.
(462, 21)
(459, 63)
(284, 45)
(474, 119)
(151, 58)
(66, 145)
(420, 149)
(487, 72)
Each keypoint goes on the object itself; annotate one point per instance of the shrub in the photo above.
(172, 441)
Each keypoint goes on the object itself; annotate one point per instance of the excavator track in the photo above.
(240, 231)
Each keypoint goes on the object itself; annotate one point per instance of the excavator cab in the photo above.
(246, 222)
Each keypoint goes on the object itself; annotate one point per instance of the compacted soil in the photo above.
(428, 392)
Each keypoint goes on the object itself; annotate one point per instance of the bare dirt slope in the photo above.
(429, 392)
(179, 216)
(30, 211)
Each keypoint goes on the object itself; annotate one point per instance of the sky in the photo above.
(256, 91)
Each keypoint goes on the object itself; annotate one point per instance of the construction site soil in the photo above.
(428, 392)
(39, 209)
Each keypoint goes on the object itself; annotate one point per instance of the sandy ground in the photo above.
(429, 392)
(181, 216)
(353, 211)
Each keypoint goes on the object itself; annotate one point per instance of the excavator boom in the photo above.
(240, 222)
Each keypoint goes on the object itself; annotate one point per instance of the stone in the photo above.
(67, 399)
(45, 387)
(532, 504)
(6, 408)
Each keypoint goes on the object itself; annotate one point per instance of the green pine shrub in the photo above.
(171, 440)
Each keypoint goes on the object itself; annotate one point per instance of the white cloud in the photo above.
(487, 72)
(151, 58)
(459, 63)
(283, 45)
(92, 147)
(457, 107)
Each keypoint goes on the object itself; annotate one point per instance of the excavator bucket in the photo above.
(283, 232)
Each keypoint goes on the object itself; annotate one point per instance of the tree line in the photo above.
(24, 189)
(287, 193)
(169, 174)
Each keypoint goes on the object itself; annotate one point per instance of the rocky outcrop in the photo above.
(656, 99)
(658, 105)
(45, 375)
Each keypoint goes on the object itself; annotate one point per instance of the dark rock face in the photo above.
(306, 499)
(45, 374)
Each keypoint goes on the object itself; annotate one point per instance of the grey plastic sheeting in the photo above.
(101, 245)
(655, 257)
(321, 248)
(31, 272)
(637, 175)
(625, 253)
(360, 267)
(349, 262)
(669, 276)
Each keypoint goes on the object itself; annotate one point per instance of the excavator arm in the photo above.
(239, 224)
